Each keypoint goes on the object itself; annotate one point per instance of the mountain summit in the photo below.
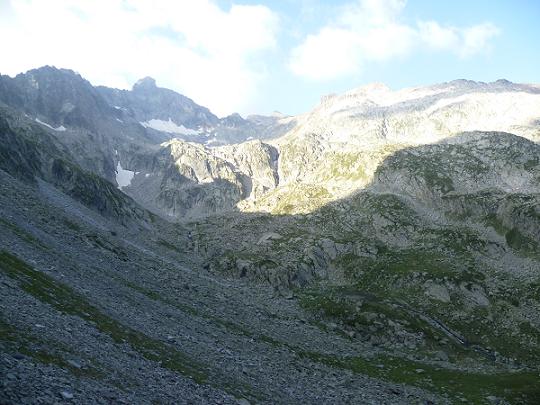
(145, 83)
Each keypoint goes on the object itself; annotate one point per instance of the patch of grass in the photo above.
(101, 242)
(455, 240)
(527, 328)
(522, 243)
(519, 343)
(531, 163)
(329, 306)
(493, 221)
(532, 291)
(300, 198)
(391, 266)
(344, 166)
(393, 208)
(356, 308)
(145, 291)
(22, 234)
(72, 225)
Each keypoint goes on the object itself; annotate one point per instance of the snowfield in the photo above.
(123, 176)
(168, 126)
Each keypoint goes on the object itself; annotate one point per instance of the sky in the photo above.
(256, 56)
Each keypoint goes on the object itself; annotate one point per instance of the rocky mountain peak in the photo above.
(61, 98)
(51, 71)
(504, 81)
(51, 79)
(146, 83)
(233, 120)
(465, 82)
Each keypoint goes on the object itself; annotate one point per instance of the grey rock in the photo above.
(74, 363)
(437, 291)
(67, 395)
(442, 356)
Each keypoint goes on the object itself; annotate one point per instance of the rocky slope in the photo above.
(94, 310)
(374, 253)
(492, 179)
(437, 257)
(103, 127)
(384, 319)
(183, 180)
(30, 153)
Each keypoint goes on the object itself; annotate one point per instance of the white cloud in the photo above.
(464, 42)
(371, 30)
(476, 38)
(192, 46)
(330, 53)
(438, 37)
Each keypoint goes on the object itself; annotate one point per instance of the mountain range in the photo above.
(381, 248)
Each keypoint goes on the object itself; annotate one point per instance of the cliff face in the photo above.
(32, 154)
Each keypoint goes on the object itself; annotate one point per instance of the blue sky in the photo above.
(256, 56)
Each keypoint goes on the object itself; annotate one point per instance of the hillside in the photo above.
(382, 248)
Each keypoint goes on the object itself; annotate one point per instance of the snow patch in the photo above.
(119, 120)
(123, 177)
(168, 126)
(61, 128)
